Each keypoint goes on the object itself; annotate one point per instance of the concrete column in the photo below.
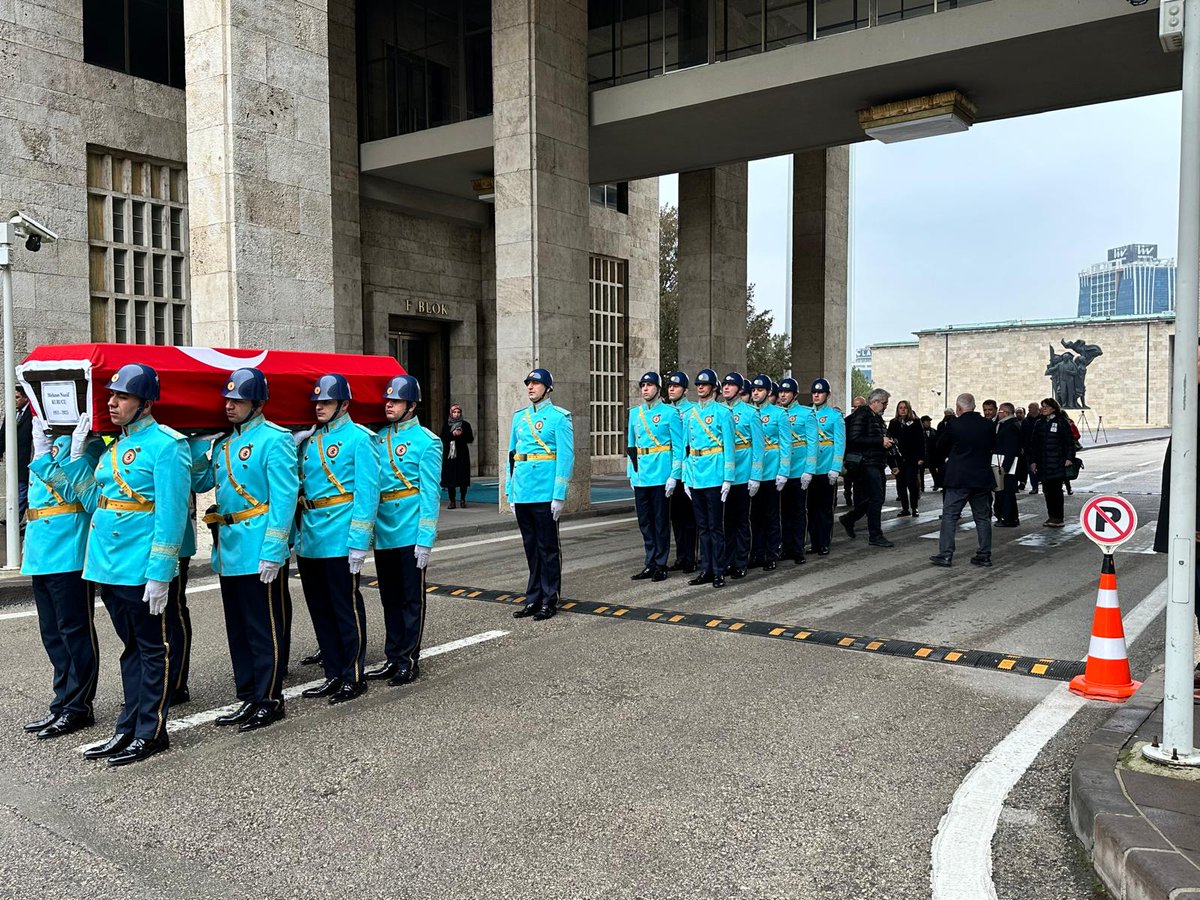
(712, 269)
(820, 250)
(349, 324)
(540, 128)
(259, 173)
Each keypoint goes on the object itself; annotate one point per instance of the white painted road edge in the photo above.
(961, 857)
(211, 715)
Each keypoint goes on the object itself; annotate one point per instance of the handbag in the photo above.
(997, 477)
(852, 461)
(1073, 468)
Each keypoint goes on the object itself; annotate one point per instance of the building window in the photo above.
(612, 196)
(607, 284)
(137, 250)
(143, 38)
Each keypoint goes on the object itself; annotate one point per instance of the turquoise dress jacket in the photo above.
(253, 470)
(747, 442)
(804, 438)
(138, 496)
(339, 486)
(777, 444)
(410, 486)
(831, 439)
(56, 536)
(709, 437)
(655, 435)
(541, 445)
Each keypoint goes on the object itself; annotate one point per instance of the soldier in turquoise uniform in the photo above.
(541, 458)
(683, 519)
(655, 450)
(253, 470)
(55, 544)
(709, 474)
(339, 486)
(138, 495)
(748, 460)
(776, 470)
(801, 433)
(410, 491)
(831, 447)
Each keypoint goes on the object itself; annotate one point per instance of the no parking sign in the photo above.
(1108, 521)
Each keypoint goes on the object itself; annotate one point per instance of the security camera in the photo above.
(34, 232)
(33, 243)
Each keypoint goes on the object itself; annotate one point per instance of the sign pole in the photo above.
(12, 537)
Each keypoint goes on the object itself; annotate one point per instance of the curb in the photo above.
(1132, 855)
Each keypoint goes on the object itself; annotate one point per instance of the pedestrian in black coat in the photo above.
(1052, 449)
(967, 442)
(457, 437)
(868, 443)
(24, 449)
(1008, 448)
(1027, 426)
(909, 437)
(935, 471)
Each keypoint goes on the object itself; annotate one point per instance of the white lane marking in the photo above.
(1106, 475)
(1149, 462)
(29, 613)
(1050, 537)
(1142, 540)
(1095, 484)
(211, 715)
(516, 537)
(961, 857)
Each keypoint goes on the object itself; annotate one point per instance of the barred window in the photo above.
(607, 283)
(137, 241)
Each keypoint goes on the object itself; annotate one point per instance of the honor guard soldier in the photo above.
(683, 520)
(410, 488)
(709, 474)
(776, 470)
(253, 470)
(138, 495)
(541, 458)
(801, 433)
(655, 449)
(831, 447)
(55, 546)
(748, 459)
(339, 498)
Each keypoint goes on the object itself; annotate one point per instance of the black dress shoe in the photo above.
(39, 724)
(915, 514)
(463, 502)
(181, 695)
(770, 566)
(849, 526)
(660, 574)
(737, 573)
(238, 716)
(348, 691)
(755, 563)
(905, 512)
(702, 578)
(676, 566)
(800, 558)
(324, 689)
(265, 715)
(546, 612)
(525, 611)
(880, 542)
(647, 572)
(139, 749)
(689, 568)
(111, 747)
(313, 659)
(984, 561)
(822, 551)
(940, 561)
(718, 582)
(67, 723)
(1007, 524)
(405, 676)
(452, 505)
(387, 670)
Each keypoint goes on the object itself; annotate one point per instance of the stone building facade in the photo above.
(1129, 384)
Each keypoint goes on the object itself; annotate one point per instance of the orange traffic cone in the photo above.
(1107, 674)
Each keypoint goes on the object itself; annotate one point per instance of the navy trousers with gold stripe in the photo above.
(256, 627)
(402, 594)
(145, 661)
(179, 626)
(338, 614)
(539, 533)
(66, 618)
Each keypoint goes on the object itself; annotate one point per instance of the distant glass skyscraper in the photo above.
(1133, 281)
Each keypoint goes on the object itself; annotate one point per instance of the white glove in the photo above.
(805, 481)
(754, 486)
(687, 489)
(267, 571)
(356, 559)
(301, 436)
(422, 555)
(833, 476)
(671, 485)
(556, 508)
(156, 596)
(41, 439)
(81, 436)
(780, 481)
(724, 490)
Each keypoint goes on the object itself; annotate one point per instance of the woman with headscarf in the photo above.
(456, 455)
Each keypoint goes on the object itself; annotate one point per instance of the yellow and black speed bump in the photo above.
(1046, 669)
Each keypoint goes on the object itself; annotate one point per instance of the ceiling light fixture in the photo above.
(946, 113)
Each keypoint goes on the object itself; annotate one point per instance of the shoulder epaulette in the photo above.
(171, 432)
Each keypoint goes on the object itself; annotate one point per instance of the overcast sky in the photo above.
(989, 225)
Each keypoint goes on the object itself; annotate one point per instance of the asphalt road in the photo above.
(590, 756)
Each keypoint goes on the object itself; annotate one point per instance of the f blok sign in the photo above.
(1108, 521)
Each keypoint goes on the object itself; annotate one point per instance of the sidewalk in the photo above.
(1114, 436)
(1139, 821)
